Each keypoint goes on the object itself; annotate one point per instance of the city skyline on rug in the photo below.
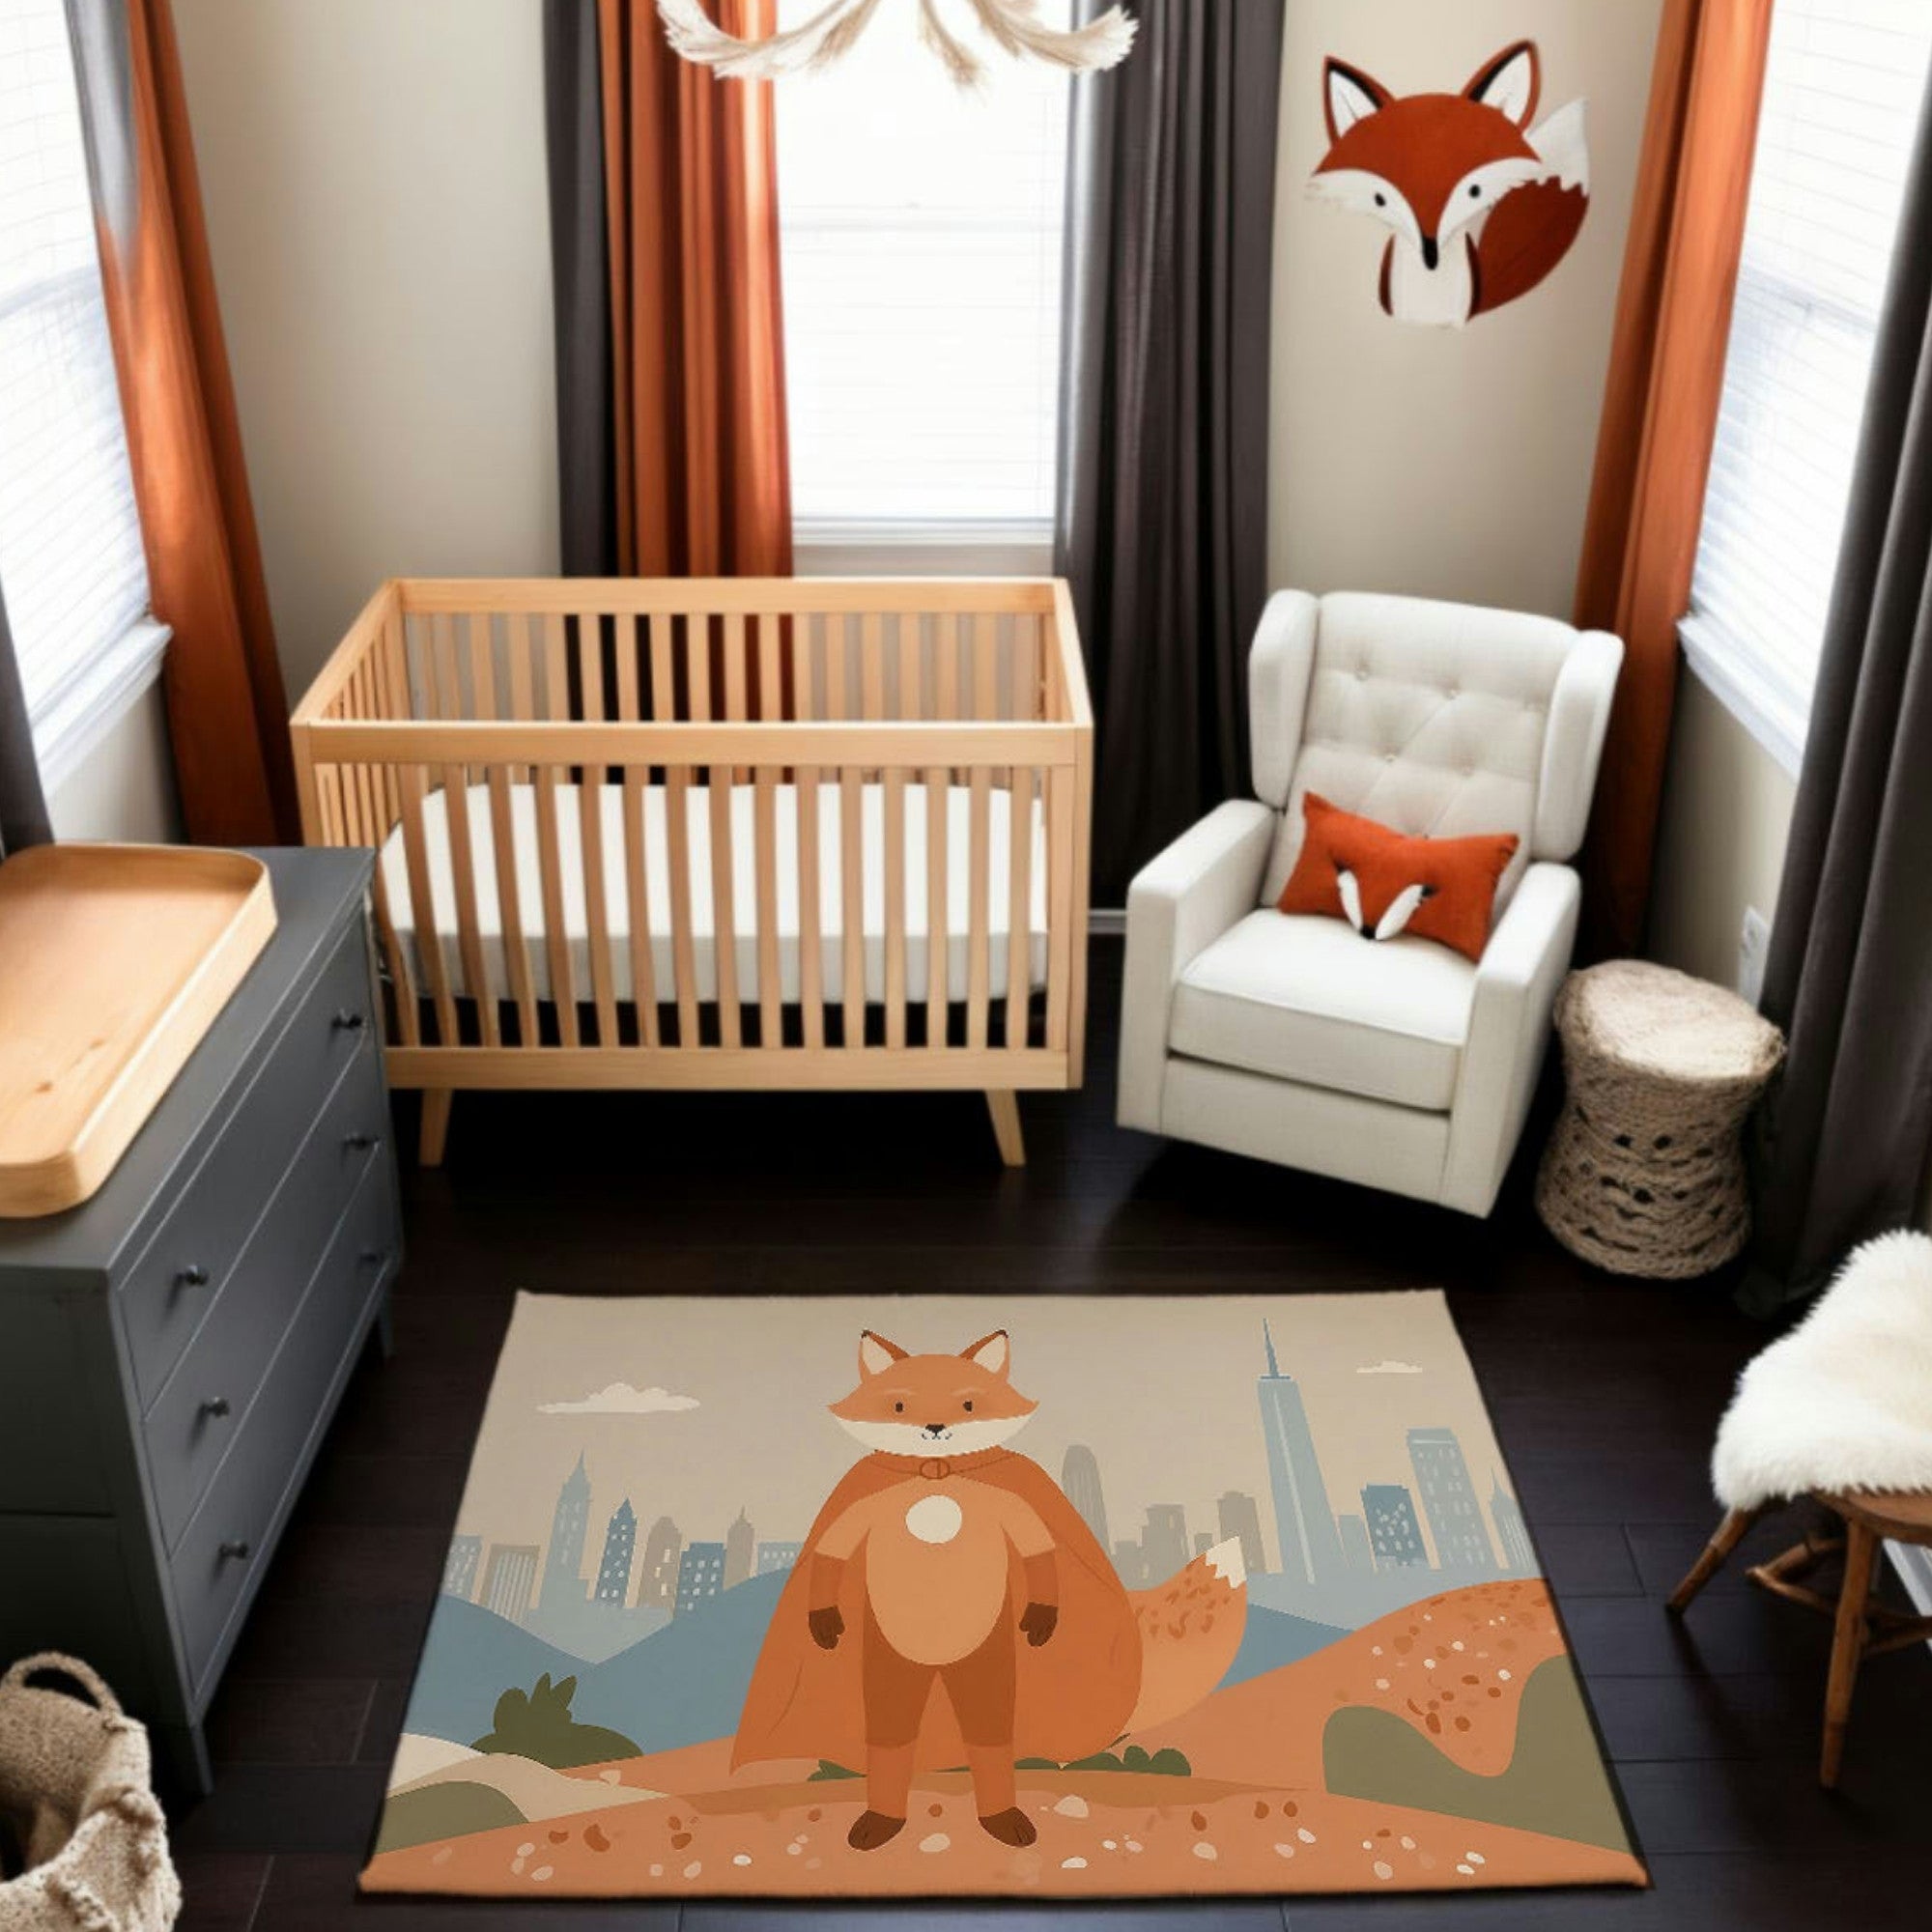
(1241, 1509)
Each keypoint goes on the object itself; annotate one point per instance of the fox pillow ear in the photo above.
(876, 1355)
(1349, 94)
(1510, 84)
(992, 1353)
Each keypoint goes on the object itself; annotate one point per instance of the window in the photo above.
(922, 228)
(72, 567)
(1843, 92)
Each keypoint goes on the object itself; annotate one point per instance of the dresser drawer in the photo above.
(219, 1563)
(168, 1292)
(205, 1405)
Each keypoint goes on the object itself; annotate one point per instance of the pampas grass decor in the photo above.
(1013, 26)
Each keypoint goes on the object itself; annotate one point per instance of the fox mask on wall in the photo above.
(1481, 206)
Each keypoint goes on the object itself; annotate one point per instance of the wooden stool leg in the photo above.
(1847, 1645)
(1005, 1108)
(437, 1103)
(1727, 1536)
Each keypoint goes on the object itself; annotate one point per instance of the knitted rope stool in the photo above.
(1645, 1172)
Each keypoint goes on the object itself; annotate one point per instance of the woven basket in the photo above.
(1645, 1172)
(74, 1788)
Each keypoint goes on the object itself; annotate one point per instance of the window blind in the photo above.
(1844, 91)
(922, 238)
(71, 566)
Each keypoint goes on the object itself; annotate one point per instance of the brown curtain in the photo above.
(227, 711)
(701, 471)
(1660, 419)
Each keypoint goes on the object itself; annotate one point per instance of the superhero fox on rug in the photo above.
(949, 1602)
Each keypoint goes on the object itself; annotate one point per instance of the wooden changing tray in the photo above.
(114, 960)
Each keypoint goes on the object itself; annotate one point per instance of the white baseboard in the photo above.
(1107, 922)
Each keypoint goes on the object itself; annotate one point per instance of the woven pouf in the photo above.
(1645, 1172)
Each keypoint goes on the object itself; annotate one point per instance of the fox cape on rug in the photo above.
(1074, 1694)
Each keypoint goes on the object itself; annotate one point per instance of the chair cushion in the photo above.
(1385, 885)
(1307, 998)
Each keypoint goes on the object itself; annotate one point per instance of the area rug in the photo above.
(1056, 1597)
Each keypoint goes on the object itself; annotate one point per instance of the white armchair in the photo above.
(1396, 1062)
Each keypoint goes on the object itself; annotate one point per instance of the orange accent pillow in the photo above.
(1383, 883)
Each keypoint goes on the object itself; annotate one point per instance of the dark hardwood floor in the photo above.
(1605, 1396)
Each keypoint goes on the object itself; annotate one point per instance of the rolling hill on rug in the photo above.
(957, 1673)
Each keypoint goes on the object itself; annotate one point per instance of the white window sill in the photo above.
(71, 720)
(1763, 702)
(923, 549)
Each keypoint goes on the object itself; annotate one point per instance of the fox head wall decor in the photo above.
(1480, 205)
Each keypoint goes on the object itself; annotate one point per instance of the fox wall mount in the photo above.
(1013, 26)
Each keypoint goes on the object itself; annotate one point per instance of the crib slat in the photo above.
(1026, 670)
(664, 671)
(422, 905)
(735, 668)
(697, 666)
(557, 935)
(946, 694)
(766, 858)
(771, 667)
(596, 908)
(523, 704)
(1019, 912)
(510, 904)
(469, 925)
(723, 910)
(810, 921)
(626, 665)
(895, 909)
(444, 678)
(1060, 905)
(805, 633)
(683, 951)
(873, 663)
(482, 666)
(557, 669)
(401, 975)
(838, 685)
(979, 917)
(912, 677)
(937, 788)
(637, 882)
(590, 664)
(852, 894)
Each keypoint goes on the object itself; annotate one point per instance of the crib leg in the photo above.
(1005, 1108)
(437, 1103)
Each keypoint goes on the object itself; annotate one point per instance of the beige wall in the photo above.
(124, 787)
(1726, 814)
(1447, 463)
(374, 177)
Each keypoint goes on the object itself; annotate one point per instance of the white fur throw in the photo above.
(1844, 1401)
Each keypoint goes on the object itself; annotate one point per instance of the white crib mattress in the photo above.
(744, 896)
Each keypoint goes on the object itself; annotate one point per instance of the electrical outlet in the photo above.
(1753, 944)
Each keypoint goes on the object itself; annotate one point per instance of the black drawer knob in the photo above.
(234, 1551)
(216, 1406)
(349, 1021)
(361, 1142)
(194, 1275)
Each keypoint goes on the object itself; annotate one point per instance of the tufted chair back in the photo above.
(1437, 720)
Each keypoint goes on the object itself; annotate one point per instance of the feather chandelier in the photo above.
(1013, 26)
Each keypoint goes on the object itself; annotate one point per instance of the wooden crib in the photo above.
(716, 833)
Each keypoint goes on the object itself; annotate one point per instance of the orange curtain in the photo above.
(227, 711)
(1660, 421)
(704, 469)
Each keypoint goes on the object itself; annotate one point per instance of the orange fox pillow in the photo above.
(1383, 884)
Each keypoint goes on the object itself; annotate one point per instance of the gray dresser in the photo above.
(171, 1351)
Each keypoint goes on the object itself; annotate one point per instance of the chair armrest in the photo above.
(1181, 901)
(1516, 983)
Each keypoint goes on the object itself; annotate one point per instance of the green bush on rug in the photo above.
(537, 1723)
